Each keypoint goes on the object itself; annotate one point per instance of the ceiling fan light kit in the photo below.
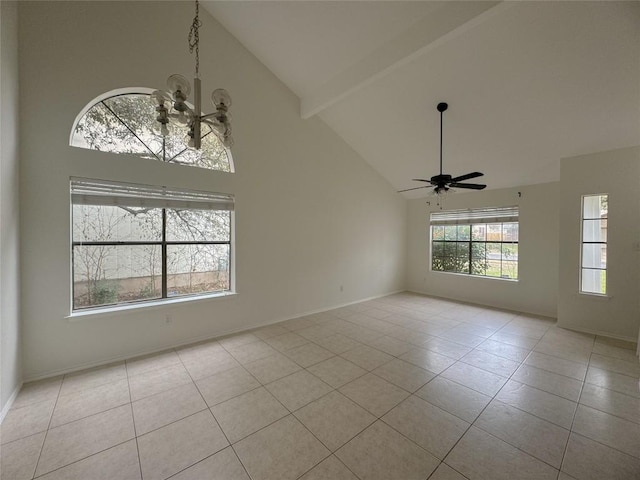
(443, 182)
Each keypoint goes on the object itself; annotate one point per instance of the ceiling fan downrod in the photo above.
(442, 107)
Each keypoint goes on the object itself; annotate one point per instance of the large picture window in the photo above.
(134, 243)
(593, 277)
(482, 242)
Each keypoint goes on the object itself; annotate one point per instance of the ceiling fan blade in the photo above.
(420, 180)
(472, 186)
(414, 188)
(467, 176)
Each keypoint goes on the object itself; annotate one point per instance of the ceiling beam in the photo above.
(448, 21)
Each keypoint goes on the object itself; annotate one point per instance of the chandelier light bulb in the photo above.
(221, 98)
(191, 143)
(182, 119)
(158, 97)
(177, 83)
(160, 130)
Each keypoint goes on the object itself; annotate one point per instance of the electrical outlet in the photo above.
(168, 319)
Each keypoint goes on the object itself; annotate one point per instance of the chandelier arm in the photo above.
(188, 111)
(212, 125)
(208, 116)
(220, 130)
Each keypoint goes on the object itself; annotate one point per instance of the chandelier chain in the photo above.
(180, 113)
(194, 37)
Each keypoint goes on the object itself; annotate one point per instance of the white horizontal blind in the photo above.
(479, 215)
(102, 192)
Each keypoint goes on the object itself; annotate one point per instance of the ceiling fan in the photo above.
(442, 183)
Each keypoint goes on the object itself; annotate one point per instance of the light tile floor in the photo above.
(403, 387)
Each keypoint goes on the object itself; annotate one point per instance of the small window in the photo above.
(126, 123)
(593, 258)
(135, 243)
(480, 242)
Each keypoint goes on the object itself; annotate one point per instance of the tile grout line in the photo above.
(510, 378)
(35, 469)
(442, 462)
(292, 413)
(91, 414)
(260, 385)
(608, 413)
(83, 458)
(471, 424)
(575, 412)
(533, 414)
(404, 400)
(331, 453)
(133, 419)
(214, 417)
(602, 411)
(512, 406)
(605, 445)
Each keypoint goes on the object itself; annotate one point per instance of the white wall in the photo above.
(311, 215)
(10, 351)
(616, 173)
(536, 289)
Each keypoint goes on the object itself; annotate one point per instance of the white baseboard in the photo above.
(201, 338)
(486, 305)
(572, 328)
(599, 333)
(9, 404)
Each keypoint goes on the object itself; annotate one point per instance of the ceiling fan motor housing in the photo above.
(441, 179)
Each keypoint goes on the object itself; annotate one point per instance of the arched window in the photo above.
(125, 122)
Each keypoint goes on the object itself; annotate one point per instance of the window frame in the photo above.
(473, 217)
(163, 243)
(137, 91)
(584, 242)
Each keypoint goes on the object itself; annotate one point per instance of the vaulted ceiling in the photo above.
(527, 82)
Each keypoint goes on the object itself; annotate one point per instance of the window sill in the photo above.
(112, 311)
(594, 297)
(465, 275)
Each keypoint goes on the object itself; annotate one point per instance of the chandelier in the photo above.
(172, 106)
